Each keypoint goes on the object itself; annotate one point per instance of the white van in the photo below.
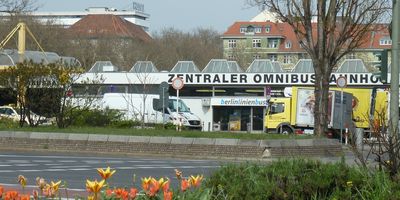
(135, 105)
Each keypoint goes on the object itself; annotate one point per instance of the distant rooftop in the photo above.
(106, 25)
(9, 57)
(134, 14)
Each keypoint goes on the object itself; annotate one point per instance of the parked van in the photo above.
(134, 106)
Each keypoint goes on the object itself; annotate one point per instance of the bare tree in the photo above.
(381, 149)
(341, 26)
(17, 6)
(144, 81)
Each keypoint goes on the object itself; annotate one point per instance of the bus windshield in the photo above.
(182, 106)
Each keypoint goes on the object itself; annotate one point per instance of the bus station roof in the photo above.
(143, 67)
(263, 66)
(352, 66)
(235, 65)
(103, 66)
(185, 67)
(220, 66)
(303, 66)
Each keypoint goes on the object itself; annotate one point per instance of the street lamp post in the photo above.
(394, 82)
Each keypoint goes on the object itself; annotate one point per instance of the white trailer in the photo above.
(135, 106)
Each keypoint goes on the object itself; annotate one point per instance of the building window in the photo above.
(273, 57)
(232, 44)
(287, 59)
(256, 57)
(231, 57)
(250, 29)
(243, 29)
(256, 43)
(257, 29)
(288, 45)
(273, 43)
(267, 29)
(385, 41)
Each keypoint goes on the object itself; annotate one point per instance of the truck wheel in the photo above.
(286, 130)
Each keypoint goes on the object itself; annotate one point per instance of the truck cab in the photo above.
(279, 115)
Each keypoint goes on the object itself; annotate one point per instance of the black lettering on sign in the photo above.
(216, 79)
(257, 78)
(312, 78)
(268, 78)
(374, 79)
(234, 78)
(189, 78)
(333, 79)
(353, 78)
(304, 78)
(207, 78)
(224, 79)
(171, 76)
(295, 78)
(198, 78)
(279, 78)
(363, 78)
(243, 78)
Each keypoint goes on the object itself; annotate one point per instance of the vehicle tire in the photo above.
(285, 130)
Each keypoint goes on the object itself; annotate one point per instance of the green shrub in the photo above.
(167, 126)
(8, 123)
(300, 179)
(97, 117)
(125, 124)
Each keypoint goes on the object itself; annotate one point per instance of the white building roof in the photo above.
(265, 16)
(69, 18)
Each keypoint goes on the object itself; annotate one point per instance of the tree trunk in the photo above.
(321, 100)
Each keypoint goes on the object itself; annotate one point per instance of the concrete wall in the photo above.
(168, 146)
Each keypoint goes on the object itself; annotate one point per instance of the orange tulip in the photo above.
(25, 197)
(133, 193)
(121, 193)
(1, 191)
(196, 180)
(146, 183)
(155, 186)
(105, 174)
(168, 195)
(11, 195)
(165, 186)
(185, 184)
(109, 192)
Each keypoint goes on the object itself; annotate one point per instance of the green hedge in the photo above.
(300, 179)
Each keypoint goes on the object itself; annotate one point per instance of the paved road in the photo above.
(75, 169)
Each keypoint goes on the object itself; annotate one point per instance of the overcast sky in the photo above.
(184, 15)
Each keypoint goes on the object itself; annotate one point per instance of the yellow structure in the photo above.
(367, 106)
